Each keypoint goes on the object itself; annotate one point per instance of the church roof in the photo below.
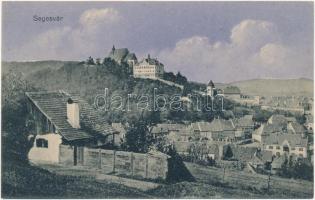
(121, 54)
(131, 56)
(118, 54)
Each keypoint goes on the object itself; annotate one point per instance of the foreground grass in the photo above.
(21, 180)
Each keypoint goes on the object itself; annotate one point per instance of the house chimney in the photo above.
(73, 113)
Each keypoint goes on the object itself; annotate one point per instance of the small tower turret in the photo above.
(211, 89)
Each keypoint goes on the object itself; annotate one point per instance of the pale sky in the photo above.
(221, 41)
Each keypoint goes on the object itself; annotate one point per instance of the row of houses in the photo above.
(216, 130)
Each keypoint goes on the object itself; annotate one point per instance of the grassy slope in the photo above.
(22, 180)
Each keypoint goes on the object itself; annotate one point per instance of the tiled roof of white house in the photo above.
(245, 121)
(295, 128)
(53, 105)
(294, 140)
(150, 61)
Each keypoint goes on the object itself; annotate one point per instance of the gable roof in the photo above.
(53, 105)
(221, 125)
(244, 121)
(201, 126)
(294, 140)
(278, 120)
(267, 129)
(295, 128)
(150, 61)
(118, 54)
(165, 128)
(215, 126)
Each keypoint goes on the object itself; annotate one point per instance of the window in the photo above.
(270, 147)
(42, 143)
(301, 155)
(293, 148)
(278, 147)
(300, 149)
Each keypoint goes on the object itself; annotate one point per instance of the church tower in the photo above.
(211, 89)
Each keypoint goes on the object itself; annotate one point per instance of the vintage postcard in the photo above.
(153, 99)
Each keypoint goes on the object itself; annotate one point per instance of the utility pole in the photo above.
(223, 173)
(268, 188)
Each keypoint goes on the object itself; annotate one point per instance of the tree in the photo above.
(138, 138)
(98, 61)
(90, 61)
(180, 79)
(228, 153)
(262, 115)
(169, 76)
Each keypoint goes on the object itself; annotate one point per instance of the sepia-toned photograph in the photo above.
(157, 100)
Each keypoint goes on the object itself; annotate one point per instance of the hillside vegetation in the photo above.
(89, 81)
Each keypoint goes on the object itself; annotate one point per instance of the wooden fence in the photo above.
(153, 165)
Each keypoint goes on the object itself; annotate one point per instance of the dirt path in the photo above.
(100, 176)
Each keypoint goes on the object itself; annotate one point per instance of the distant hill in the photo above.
(31, 67)
(89, 81)
(276, 87)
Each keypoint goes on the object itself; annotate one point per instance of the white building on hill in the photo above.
(148, 68)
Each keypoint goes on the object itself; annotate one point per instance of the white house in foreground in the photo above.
(63, 125)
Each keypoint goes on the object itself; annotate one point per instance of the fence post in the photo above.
(146, 165)
(223, 173)
(131, 163)
(100, 159)
(268, 188)
(114, 160)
